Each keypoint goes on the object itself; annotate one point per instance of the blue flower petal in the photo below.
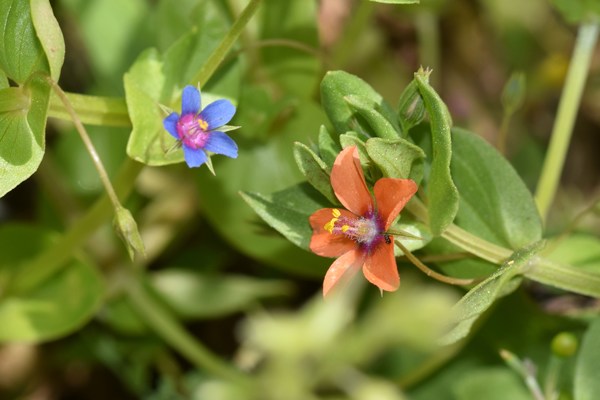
(220, 143)
(218, 113)
(170, 124)
(194, 158)
(190, 100)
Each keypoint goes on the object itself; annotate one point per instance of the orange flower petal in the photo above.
(391, 196)
(324, 243)
(348, 182)
(342, 269)
(380, 267)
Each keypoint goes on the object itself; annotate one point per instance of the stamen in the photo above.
(203, 124)
(331, 224)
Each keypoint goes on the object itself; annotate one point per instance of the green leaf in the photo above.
(294, 67)
(3, 80)
(482, 296)
(443, 195)
(335, 87)
(59, 306)
(22, 131)
(199, 295)
(21, 53)
(576, 11)
(397, 158)
(328, 148)
(50, 36)
(378, 124)
(315, 170)
(288, 211)
(495, 204)
(587, 384)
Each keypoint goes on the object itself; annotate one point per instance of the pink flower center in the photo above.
(366, 231)
(192, 131)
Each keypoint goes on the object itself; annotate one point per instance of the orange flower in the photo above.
(358, 236)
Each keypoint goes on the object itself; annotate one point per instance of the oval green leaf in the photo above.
(495, 204)
(21, 53)
(59, 306)
(22, 131)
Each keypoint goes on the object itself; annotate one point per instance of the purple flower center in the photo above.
(367, 231)
(192, 131)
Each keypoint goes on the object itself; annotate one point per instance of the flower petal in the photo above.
(194, 157)
(218, 113)
(342, 269)
(220, 143)
(391, 196)
(380, 267)
(349, 184)
(190, 100)
(324, 243)
(170, 124)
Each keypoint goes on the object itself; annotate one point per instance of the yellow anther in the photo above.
(203, 124)
(345, 228)
(336, 213)
(330, 225)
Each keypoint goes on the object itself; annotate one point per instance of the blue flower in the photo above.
(198, 131)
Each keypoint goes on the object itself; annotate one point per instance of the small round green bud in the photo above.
(564, 344)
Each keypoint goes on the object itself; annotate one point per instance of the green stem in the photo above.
(563, 277)
(463, 239)
(160, 319)
(54, 258)
(223, 48)
(92, 110)
(85, 138)
(475, 245)
(565, 119)
(503, 133)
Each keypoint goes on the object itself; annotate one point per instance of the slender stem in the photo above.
(552, 374)
(220, 52)
(431, 273)
(55, 257)
(503, 133)
(166, 326)
(463, 239)
(475, 245)
(564, 277)
(88, 144)
(565, 119)
(92, 110)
